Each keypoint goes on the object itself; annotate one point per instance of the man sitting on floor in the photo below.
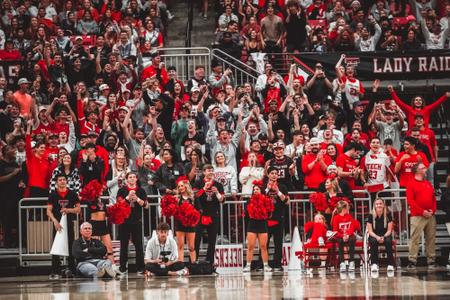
(161, 254)
(90, 254)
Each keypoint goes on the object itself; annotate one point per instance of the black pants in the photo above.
(135, 230)
(374, 259)
(212, 230)
(351, 248)
(277, 233)
(56, 261)
(158, 271)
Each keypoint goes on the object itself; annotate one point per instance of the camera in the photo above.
(164, 256)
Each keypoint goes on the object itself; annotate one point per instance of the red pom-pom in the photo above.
(92, 191)
(169, 205)
(187, 215)
(319, 201)
(336, 199)
(259, 183)
(260, 207)
(119, 212)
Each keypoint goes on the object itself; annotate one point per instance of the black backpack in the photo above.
(201, 268)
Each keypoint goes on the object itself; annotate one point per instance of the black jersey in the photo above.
(282, 165)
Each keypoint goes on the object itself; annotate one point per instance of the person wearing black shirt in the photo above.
(137, 199)
(279, 194)
(210, 194)
(295, 27)
(10, 178)
(90, 254)
(91, 166)
(379, 226)
(62, 201)
(283, 164)
(167, 174)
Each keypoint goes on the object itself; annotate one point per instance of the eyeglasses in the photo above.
(87, 228)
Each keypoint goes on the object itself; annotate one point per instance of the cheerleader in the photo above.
(257, 230)
(100, 229)
(185, 194)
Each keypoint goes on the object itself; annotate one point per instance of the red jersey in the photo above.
(58, 127)
(315, 176)
(347, 164)
(405, 173)
(343, 225)
(420, 196)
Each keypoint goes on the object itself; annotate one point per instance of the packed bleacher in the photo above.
(246, 27)
(90, 99)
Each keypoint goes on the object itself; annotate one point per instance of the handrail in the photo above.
(219, 54)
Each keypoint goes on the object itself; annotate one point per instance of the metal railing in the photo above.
(38, 230)
(242, 72)
(186, 59)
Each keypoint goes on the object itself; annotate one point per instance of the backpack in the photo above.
(201, 268)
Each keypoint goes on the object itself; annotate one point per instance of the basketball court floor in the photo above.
(419, 284)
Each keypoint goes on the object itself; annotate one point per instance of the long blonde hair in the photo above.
(189, 190)
(374, 213)
(339, 208)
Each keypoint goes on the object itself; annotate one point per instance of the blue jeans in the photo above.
(89, 268)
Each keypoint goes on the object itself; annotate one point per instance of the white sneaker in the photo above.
(183, 272)
(246, 268)
(267, 269)
(101, 272)
(448, 266)
(110, 272)
(374, 268)
(351, 266)
(342, 267)
(390, 268)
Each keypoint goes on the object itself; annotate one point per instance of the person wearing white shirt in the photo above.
(161, 254)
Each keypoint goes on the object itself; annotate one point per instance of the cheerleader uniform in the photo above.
(257, 226)
(178, 225)
(99, 228)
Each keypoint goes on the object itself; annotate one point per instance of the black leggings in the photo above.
(212, 230)
(374, 250)
(135, 230)
(351, 248)
(158, 271)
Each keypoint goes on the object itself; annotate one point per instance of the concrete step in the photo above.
(203, 30)
(177, 27)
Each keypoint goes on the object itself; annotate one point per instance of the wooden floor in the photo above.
(419, 284)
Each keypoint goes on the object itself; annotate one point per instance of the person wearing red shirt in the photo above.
(422, 203)
(427, 137)
(357, 136)
(156, 69)
(417, 106)
(347, 164)
(52, 150)
(87, 5)
(9, 53)
(344, 226)
(328, 139)
(38, 166)
(407, 159)
(314, 165)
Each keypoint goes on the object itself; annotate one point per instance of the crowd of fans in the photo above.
(93, 100)
(246, 27)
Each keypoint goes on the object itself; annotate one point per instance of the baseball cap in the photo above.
(92, 133)
(195, 89)
(22, 80)
(78, 37)
(124, 108)
(103, 87)
(278, 145)
(314, 140)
